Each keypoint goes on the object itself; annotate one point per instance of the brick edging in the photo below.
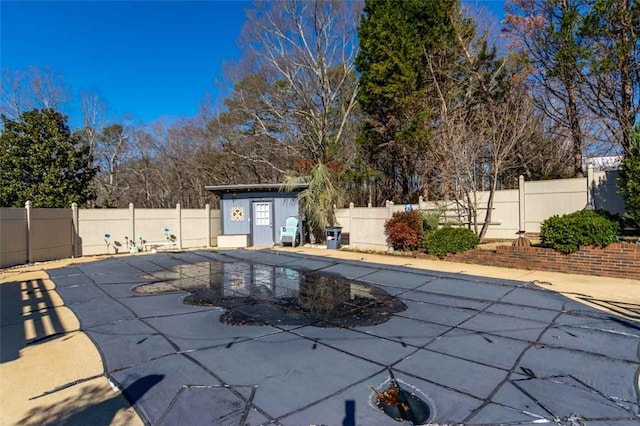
(620, 260)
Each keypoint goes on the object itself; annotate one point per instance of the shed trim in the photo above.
(256, 187)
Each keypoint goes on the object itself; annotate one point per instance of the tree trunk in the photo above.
(576, 131)
(626, 86)
(488, 215)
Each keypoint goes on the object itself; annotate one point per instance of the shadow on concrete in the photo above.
(25, 305)
(90, 405)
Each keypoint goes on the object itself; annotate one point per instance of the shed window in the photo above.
(263, 214)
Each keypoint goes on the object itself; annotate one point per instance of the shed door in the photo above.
(262, 227)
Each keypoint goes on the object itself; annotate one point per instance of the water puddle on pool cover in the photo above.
(255, 294)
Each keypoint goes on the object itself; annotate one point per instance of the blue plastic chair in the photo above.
(290, 230)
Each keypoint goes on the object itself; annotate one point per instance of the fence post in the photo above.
(132, 224)
(75, 232)
(207, 209)
(351, 207)
(179, 230)
(389, 208)
(521, 207)
(27, 207)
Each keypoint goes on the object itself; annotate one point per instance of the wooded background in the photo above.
(367, 102)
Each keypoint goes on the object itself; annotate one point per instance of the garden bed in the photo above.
(620, 260)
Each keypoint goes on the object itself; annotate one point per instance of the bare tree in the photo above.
(541, 156)
(459, 155)
(113, 150)
(171, 163)
(293, 103)
(506, 122)
(484, 115)
(23, 90)
(301, 53)
(94, 117)
(479, 143)
(548, 34)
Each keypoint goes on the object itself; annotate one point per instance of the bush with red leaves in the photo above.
(404, 231)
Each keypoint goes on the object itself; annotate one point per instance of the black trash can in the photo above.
(333, 236)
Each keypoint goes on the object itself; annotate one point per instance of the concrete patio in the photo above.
(478, 350)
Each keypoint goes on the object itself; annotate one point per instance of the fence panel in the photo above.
(343, 217)
(504, 218)
(215, 227)
(93, 224)
(543, 199)
(51, 234)
(194, 228)
(367, 228)
(13, 236)
(150, 223)
(605, 192)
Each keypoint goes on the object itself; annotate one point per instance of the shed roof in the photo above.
(256, 187)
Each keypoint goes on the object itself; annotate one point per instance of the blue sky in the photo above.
(149, 59)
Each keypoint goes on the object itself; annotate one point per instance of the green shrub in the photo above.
(629, 180)
(443, 241)
(404, 230)
(431, 220)
(583, 228)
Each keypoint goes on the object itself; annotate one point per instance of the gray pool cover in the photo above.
(478, 350)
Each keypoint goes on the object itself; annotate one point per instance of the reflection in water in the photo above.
(256, 294)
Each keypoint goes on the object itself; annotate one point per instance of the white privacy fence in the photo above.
(30, 234)
(523, 209)
(189, 228)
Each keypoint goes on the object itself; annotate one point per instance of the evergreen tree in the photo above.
(629, 179)
(43, 162)
(395, 40)
(612, 32)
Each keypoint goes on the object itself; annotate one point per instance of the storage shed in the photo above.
(253, 214)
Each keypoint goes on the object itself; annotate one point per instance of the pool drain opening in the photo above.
(401, 404)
